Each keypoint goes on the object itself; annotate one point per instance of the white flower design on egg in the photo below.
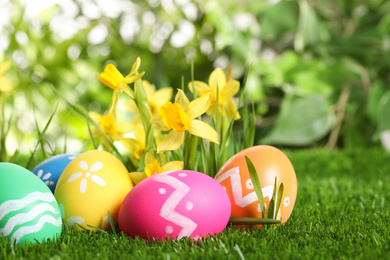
(46, 178)
(87, 174)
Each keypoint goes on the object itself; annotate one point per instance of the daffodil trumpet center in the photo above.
(153, 108)
(213, 102)
(174, 117)
(107, 124)
(153, 168)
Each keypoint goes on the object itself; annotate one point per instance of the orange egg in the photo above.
(269, 162)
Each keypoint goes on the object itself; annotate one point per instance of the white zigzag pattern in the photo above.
(235, 180)
(168, 209)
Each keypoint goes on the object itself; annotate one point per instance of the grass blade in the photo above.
(40, 137)
(112, 224)
(256, 184)
(91, 136)
(89, 119)
(271, 208)
(279, 201)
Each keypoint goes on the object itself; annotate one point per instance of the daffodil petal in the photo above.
(182, 99)
(149, 158)
(199, 106)
(230, 89)
(217, 78)
(203, 130)
(135, 67)
(149, 88)
(161, 96)
(95, 133)
(171, 142)
(131, 106)
(5, 85)
(5, 66)
(174, 166)
(130, 144)
(95, 116)
(124, 127)
(231, 109)
(134, 78)
(139, 134)
(137, 177)
(199, 87)
(159, 123)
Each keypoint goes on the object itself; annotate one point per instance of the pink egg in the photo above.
(175, 204)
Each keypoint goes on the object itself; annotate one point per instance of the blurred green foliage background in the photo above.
(318, 71)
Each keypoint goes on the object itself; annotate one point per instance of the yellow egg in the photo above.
(93, 184)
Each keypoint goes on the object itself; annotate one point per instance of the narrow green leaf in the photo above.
(40, 137)
(101, 230)
(91, 136)
(271, 208)
(230, 128)
(256, 184)
(88, 118)
(253, 221)
(279, 201)
(111, 222)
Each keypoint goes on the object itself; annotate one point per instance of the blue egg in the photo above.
(49, 170)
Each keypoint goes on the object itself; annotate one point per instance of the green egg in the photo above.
(28, 209)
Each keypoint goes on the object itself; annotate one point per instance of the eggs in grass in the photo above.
(49, 170)
(29, 212)
(269, 163)
(175, 204)
(93, 184)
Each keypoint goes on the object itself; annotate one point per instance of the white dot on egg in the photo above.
(169, 229)
(258, 208)
(87, 174)
(224, 188)
(286, 201)
(249, 184)
(189, 205)
(107, 220)
(162, 191)
(182, 174)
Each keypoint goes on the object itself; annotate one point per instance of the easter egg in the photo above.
(28, 209)
(93, 184)
(175, 204)
(269, 162)
(49, 170)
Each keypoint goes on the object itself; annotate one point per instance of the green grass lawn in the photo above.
(342, 211)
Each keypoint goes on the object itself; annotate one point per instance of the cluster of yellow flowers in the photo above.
(163, 116)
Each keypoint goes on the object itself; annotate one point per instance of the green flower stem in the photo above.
(141, 100)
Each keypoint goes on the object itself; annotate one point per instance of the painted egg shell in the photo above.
(28, 209)
(269, 162)
(93, 184)
(175, 204)
(49, 170)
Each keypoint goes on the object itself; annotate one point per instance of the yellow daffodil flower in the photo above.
(136, 146)
(227, 89)
(112, 128)
(152, 167)
(156, 99)
(180, 117)
(5, 84)
(112, 78)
